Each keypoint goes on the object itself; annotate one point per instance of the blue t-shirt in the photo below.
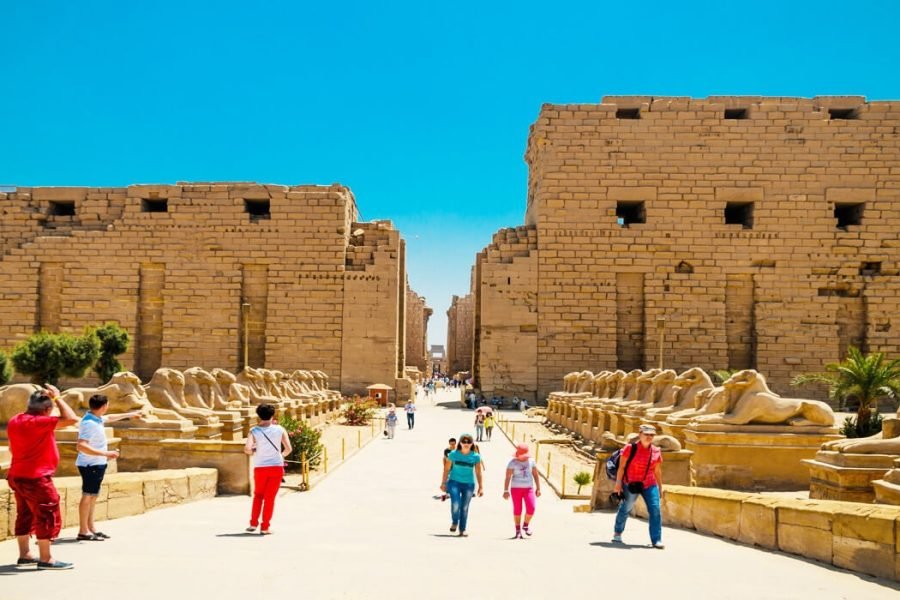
(463, 466)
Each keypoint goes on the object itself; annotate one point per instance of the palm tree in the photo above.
(864, 377)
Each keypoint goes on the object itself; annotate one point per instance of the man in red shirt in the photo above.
(32, 443)
(642, 477)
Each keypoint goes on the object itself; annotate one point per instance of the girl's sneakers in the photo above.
(453, 528)
(518, 535)
(527, 530)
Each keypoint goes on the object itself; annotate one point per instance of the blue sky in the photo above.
(421, 108)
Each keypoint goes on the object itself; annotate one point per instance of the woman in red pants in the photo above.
(268, 443)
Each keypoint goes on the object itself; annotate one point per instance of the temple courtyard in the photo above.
(375, 529)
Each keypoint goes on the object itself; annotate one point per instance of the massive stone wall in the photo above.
(460, 330)
(765, 231)
(174, 264)
(417, 315)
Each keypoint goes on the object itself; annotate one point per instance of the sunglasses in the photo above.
(465, 442)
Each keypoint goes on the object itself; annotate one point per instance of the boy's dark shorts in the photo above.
(91, 478)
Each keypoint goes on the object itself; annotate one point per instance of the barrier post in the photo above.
(548, 464)
(343, 449)
(563, 481)
(326, 459)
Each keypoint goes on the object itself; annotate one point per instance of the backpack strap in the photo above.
(262, 433)
(628, 462)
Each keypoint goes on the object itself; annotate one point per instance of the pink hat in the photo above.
(523, 452)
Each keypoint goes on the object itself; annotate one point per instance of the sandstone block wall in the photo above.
(765, 231)
(417, 315)
(174, 264)
(460, 330)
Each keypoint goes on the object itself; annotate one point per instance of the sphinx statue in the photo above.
(570, 381)
(688, 385)
(166, 392)
(253, 380)
(231, 390)
(662, 392)
(750, 401)
(874, 444)
(202, 388)
(14, 400)
(599, 385)
(125, 394)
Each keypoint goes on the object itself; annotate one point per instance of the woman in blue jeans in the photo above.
(643, 477)
(461, 470)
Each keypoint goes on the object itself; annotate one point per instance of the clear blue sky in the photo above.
(422, 108)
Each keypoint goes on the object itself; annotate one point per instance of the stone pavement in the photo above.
(373, 530)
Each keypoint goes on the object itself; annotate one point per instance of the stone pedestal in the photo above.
(227, 458)
(140, 445)
(754, 457)
(676, 431)
(847, 477)
(209, 431)
(232, 425)
(67, 442)
(887, 489)
(676, 470)
(617, 422)
(5, 459)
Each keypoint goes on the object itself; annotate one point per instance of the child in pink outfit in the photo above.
(522, 476)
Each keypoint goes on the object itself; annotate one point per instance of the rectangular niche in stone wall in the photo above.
(630, 212)
(257, 209)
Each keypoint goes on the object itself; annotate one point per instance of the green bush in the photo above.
(48, 356)
(304, 439)
(6, 371)
(113, 341)
(358, 412)
(582, 478)
(851, 429)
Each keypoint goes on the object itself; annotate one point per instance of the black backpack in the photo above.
(612, 463)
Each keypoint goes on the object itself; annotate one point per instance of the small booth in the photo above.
(379, 392)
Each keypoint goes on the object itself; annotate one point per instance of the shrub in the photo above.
(304, 439)
(5, 369)
(582, 478)
(358, 412)
(851, 429)
(114, 341)
(723, 375)
(48, 356)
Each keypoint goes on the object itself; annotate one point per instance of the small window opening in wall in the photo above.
(684, 267)
(870, 268)
(154, 205)
(842, 113)
(848, 214)
(630, 212)
(736, 113)
(739, 213)
(257, 209)
(628, 113)
(62, 208)
(509, 281)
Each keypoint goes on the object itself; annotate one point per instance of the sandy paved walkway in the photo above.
(373, 531)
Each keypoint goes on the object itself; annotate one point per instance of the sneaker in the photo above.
(100, 535)
(528, 531)
(463, 534)
(518, 535)
(617, 538)
(27, 561)
(659, 545)
(251, 529)
(453, 528)
(265, 532)
(56, 565)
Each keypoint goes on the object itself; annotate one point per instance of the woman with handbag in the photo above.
(640, 475)
(268, 443)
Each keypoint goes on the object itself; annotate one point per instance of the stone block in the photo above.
(202, 483)
(125, 495)
(5, 494)
(226, 457)
(165, 487)
(717, 512)
(864, 556)
(810, 542)
(678, 507)
(759, 523)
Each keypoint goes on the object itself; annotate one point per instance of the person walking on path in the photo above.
(524, 486)
(451, 446)
(479, 426)
(410, 409)
(461, 470)
(35, 456)
(488, 425)
(643, 478)
(390, 422)
(269, 444)
(93, 458)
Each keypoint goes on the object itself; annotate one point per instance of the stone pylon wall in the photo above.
(460, 329)
(773, 284)
(174, 263)
(417, 314)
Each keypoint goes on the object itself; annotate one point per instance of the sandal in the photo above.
(101, 535)
(88, 537)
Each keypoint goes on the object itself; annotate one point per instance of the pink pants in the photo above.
(520, 495)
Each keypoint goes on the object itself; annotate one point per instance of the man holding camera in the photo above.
(32, 443)
(643, 478)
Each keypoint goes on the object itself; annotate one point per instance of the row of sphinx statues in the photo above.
(195, 395)
(616, 402)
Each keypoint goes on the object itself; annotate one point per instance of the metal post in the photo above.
(548, 465)
(245, 315)
(326, 459)
(343, 448)
(661, 329)
(537, 451)
(358, 438)
(562, 495)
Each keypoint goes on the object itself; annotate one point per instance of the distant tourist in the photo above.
(32, 443)
(643, 478)
(524, 485)
(390, 422)
(488, 425)
(451, 446)
(268, 442)
(92, 460)
(479, 426)
(410, 409)
(461, 470)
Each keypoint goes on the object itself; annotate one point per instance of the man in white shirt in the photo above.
(410, 414)
(93, 457)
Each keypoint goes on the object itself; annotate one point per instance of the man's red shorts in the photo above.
(37, 507)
